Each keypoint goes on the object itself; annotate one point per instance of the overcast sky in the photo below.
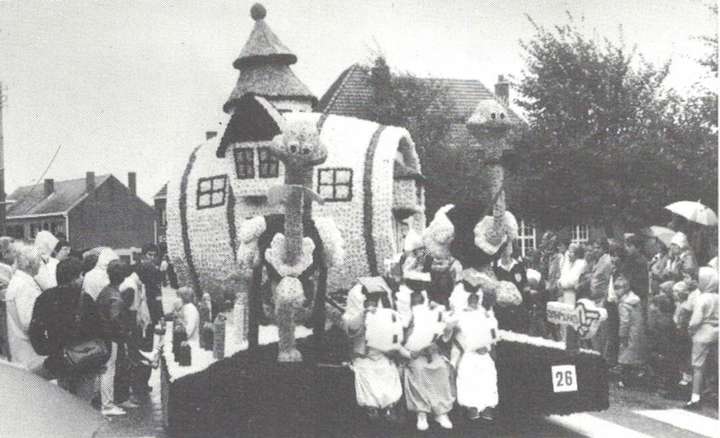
(133, 85)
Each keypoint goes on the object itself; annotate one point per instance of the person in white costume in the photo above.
(474, 332)
(427, 375)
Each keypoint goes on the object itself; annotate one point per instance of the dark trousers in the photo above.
(612, 344)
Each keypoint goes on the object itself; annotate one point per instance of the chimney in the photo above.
(502, 90)
(90, 182)
(49, 187)
(210, 134)
(132, 183)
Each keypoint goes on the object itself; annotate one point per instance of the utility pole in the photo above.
(3, 205)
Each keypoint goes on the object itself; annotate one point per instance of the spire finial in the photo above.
(258, 12)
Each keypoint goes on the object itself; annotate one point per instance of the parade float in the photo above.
(291, 205)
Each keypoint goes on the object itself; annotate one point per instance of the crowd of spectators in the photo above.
(661, 325)
(55, 297)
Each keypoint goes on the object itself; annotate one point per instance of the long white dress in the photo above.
(476, 374)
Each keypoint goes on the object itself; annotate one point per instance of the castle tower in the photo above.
(264, 65)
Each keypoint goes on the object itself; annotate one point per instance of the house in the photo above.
(90, 212)
(160, 204)
(371, 181)
(352, 95)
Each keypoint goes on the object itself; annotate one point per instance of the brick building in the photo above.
(91, 211)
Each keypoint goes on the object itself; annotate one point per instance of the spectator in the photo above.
(135, 367)
(65, 316)
(599, 286)
(682, 264)
(659, 265)
(703, 327)
(664, 356)
(617, 253)
(601, 271)
(7, 259)
(633, 343)
(635, 267)
(573, 266)
(62, 250)
(190, 316)
(151, 278)
(114, 317)
(22, 292)
(97, 278)
(684, 299)
(508, 268)
(45, 243)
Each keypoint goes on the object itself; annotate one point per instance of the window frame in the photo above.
(247, 164)
(334, 183)
(524, 238)
(577, 232)
(269, 160)
(213, 190)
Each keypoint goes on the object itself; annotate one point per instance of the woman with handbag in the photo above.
(66, 328)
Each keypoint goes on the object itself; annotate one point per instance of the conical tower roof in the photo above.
(263, 46)
(264, 65)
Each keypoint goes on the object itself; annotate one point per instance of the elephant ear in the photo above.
(253, 119)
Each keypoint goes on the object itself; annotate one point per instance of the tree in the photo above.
(420, 105)
(608, 143)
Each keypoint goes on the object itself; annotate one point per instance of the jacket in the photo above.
(600, 279)
(635, 266)
(22, 292)
(114, 315)
(60, 320)
(151, 278)
(632, 329)
(703, 325)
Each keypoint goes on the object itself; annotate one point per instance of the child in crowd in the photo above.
(661, 334)
(475, 332)
(632, 356)
(703, 327)
(427, 376)
(684, 300)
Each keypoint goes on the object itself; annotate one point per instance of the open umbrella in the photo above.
(34, 407)
(663, 234)
(694, 211)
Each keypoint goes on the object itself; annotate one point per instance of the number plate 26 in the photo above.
(564, 378)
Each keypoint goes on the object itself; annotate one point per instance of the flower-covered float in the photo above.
(289, 205)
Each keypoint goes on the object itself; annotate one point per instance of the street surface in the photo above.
(633, 413)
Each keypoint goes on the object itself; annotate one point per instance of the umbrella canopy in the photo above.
(663, 234)
(694, 211)
(41, 408)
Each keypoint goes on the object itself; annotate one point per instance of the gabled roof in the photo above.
(31, 200)
(351, 95)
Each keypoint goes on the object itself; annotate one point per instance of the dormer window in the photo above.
(244, 163)
(269, 165)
